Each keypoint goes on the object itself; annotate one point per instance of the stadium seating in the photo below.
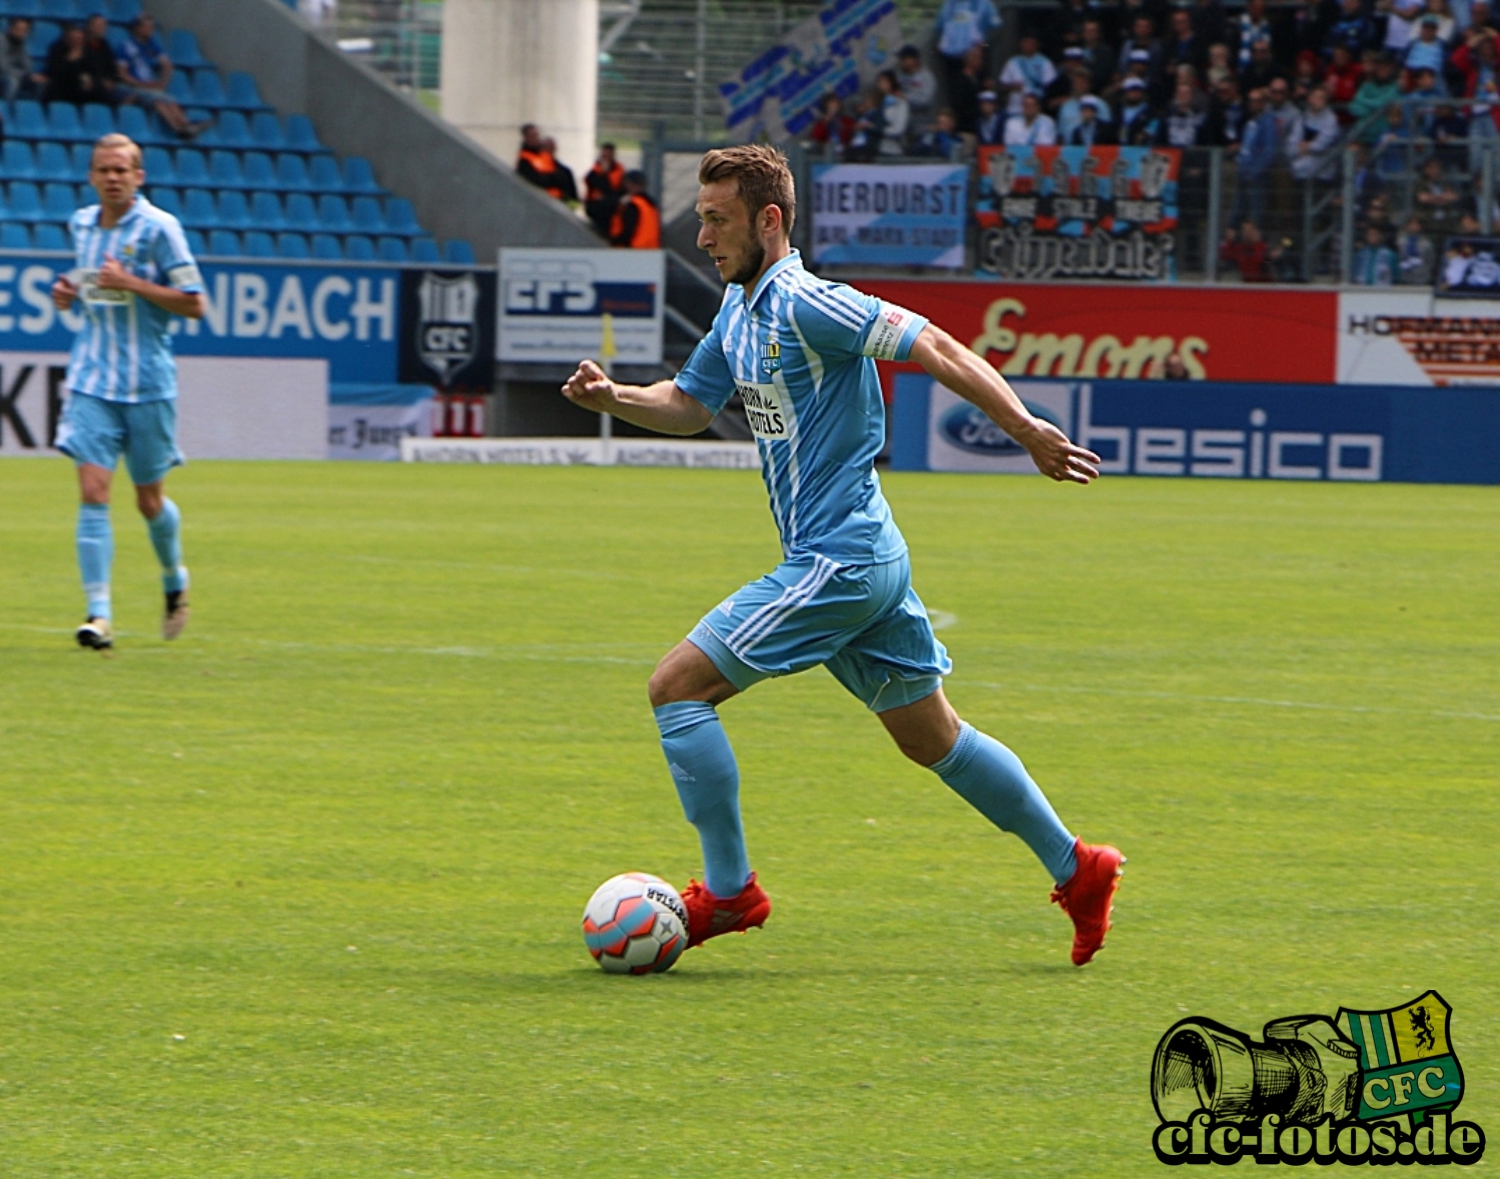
(459, 252)
(254, 182)
(197, 243)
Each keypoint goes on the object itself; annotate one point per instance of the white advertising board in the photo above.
(553, 302)
(1413, 337)
(584, 452)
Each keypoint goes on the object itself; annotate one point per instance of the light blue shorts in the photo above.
(864, 622)
(96, 431)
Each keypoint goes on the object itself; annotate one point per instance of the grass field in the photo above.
(298, 895)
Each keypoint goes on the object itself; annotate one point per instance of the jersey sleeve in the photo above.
(706, 377)
(837, 320)
(176, 260)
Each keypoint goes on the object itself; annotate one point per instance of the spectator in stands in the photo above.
(1030, 128)
(990, 129)
(1251, 26)
(895, 114)
(1352, 29)
(1135, 119)
(1415, 254)
(1028, 72)
(19, 77)
(637, 222)
(1258, 152)
(1246, 251)
(565, 178)
(1182, 124)
(1095, 125)
(869, 127)
(1142, 39)
(1307, 72)
(101, 59)
(964, 90)
(1426, 52)
(918, 86)
(1097, 55)
(1218, 67)
(1185, 47)
(1375, 94)
(941, 140)
(963, 26)
(1437, 201)
(1422, 100)
(536, 164)
(1312, 139)
(1449, 130)
(1068, 112)
(70, 69)
(1262, 70)
(1477, 64)
(1375, 263)
(1446, 28)
(1391, 149)
(145, 73)
(1280, 106)
(603, 186)
(1378, 215)
(1226, 115)
(1343, 79)
(1401, 26)
(833, 128)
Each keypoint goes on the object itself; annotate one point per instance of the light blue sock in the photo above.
(96, 551)
(708, 783)
(166, 539)
(991, 779)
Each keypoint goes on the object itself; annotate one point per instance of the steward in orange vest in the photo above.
(537, 165)
(637, 222)
(603, 186)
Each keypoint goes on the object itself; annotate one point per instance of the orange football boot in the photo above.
(709, 916)
(1088, 897)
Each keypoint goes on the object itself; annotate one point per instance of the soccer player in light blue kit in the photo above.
(801, 354)
(134, 274)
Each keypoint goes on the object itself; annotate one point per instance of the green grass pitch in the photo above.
(299, 895)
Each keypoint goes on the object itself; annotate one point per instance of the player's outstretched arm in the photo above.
(662, 407)
(975, 380)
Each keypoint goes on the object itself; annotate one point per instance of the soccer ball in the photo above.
(635, 923)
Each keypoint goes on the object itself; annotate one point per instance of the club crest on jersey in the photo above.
(770, 355)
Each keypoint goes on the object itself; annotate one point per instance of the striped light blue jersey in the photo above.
(124, 351)
(801, 354)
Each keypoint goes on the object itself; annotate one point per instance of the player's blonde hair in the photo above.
(115, 140)
(763, 175)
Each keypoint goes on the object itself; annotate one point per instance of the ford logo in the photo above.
(966, 427)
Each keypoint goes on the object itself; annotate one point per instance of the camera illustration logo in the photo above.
(1374, 1087)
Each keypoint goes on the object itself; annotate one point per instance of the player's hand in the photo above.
(114, 277)
(1057, 458)
(63, 293)
(590, 388)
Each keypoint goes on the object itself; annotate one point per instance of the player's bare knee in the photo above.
(149, 500)
(663, 687)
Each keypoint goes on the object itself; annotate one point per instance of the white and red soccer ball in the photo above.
(635, 923)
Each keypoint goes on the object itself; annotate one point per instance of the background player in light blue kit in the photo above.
(134, 273)
(801, 353)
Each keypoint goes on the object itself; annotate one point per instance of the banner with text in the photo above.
(553, 304)
(889, 214)
(1411, 337)
(1077, 212)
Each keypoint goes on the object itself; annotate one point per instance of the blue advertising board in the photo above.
(1349, 433)
(346, 313)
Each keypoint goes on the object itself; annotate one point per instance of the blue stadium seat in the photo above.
(199, 209)
(360, 177)
(366, 216)
(98, 121)
(301, 213)
(359, 248)
(266, 212)
(159, 166)
(224, 169)
(167, 199)
(259, 171)
(241, 93)
(265, 130)
(53, 162)
(291, 172)
(326, 247)
(223, 243)
(17, 160)
(197, 243)
(230, 130)
(459, 252)
(122, 12)
(182, 48)
(257, 244)
(61, 10)
(30, 9)
(30, 121)
(401, 218)
(392, 249)
(25, 202)
(208, 90)
(333, 213)
(192, 169)
(82, 157)
(14, 236)
(292, 245)
(324, 175)
(300, 135)
(180, 88)
(424, 249)
(144, 130)
(49, 236)
(234, 210)
(63, 122)
(58, 202)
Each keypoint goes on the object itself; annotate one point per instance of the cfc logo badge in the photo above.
(447, 324)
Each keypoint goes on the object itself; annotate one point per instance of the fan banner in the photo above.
(889, 214)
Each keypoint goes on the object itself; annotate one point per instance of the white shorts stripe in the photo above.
(783, 608)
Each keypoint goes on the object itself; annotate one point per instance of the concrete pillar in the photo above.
(511, 62)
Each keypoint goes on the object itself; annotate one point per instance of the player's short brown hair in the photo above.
(763, 176)
(115, 140)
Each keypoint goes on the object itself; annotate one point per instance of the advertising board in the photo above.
(553, 303)
(889, 214)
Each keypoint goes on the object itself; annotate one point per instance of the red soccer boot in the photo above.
(1088, 897)
(709, 916)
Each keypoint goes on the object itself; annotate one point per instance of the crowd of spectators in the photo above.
(1283, 89)
(83, 65)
